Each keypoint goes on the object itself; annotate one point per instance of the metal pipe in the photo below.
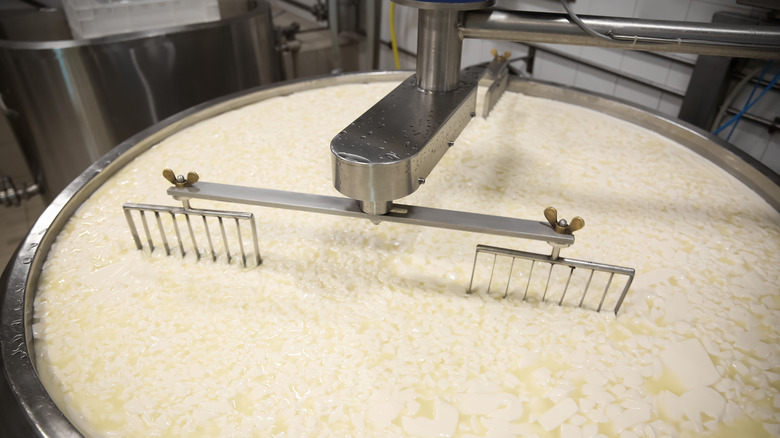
(632, 34)
(333, 24)
(371, 17)
(438, 50)
(12, 196)
(770, 124)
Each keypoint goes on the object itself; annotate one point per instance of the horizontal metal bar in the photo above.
(406, 214)
(653, 35)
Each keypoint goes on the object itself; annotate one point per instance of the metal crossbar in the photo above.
(143, 210)
(590, 268)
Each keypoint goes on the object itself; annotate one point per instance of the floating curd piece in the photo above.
(690, 363)
(630, 417)
(382, 414)
(443, 424)
(501, 405)
(542, 375)
(772, 429)
(668, 406)
(559, 413)
(570, 431)
(750, 341)
(590, 430)
(677, 308)
(703, 400)
(498, 428)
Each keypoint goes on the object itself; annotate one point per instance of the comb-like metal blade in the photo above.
(567, 286)
(176, 213)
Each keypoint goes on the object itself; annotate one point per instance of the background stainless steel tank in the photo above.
(70, 101)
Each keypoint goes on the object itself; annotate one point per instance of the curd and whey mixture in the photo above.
(355, 329)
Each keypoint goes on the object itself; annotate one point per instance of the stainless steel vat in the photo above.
(71, 101)
(18, 284)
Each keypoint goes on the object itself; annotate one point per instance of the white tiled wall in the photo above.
(669, 75)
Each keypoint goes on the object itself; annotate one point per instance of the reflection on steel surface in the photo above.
(389, 151)
(77, 99)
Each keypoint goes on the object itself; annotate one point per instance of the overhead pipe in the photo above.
(740, 41)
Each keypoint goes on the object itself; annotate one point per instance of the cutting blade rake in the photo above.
(190, 219)
(549, 278)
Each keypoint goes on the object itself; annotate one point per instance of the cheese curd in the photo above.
(355, 329)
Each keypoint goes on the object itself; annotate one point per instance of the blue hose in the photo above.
(748, 104)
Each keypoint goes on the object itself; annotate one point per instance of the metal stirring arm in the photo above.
(406, 214)
(388, 151)
(557, 233)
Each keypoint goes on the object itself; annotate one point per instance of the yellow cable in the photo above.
(393, 40)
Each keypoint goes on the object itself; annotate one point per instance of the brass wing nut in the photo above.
(562, 226)
(503, 57)
(180, 181)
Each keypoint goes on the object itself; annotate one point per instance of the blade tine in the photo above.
(259, 260)
(587, 286)
(224, 239)
(162, 233)
(623, 294)
(490, 282)
(528, 282)
(133, 229)
(509, 278)
(547, 285)
(192, 235)
(240, 242)
(208, 237)
(178, 234)
(146, 231)
(473, 270)
(606, 289)
(568, 280)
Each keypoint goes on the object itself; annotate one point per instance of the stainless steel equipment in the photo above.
(441, 96)
(553, 261)
(186, 212)
(20, 279)
(71, 101)
(453, 111)
(542, 286)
